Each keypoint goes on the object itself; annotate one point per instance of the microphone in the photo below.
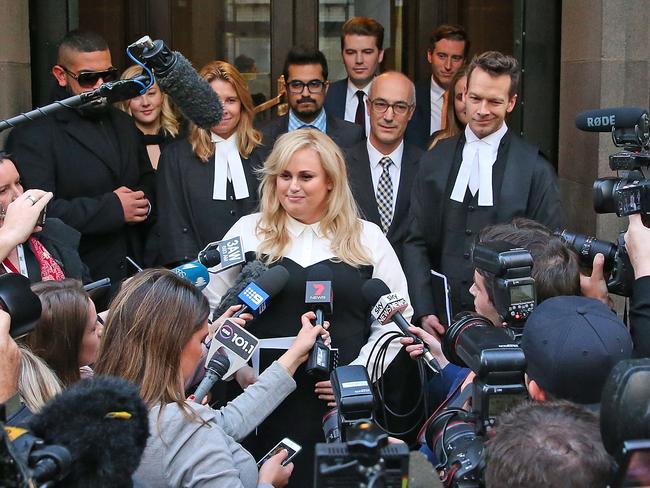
(227, 253)
(194, 272)
(256, 295)
(250, 272)
(176, 77)
(606, 119)
(215, 370)
(103, 424)
(318, 294)
(389, 307)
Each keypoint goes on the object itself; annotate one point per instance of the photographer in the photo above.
(538, 445)
(636, 242)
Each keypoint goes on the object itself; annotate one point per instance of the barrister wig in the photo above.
(247, 136)
(341, 223)
(170, 118)
(150, 321)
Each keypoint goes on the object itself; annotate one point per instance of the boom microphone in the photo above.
(250, 272)
(104, 425)
(389, 307)
(606, 119)
(215, 370)
(319, 295)
(176, 77)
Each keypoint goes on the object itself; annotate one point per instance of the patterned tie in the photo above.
(385, 195)
(360, 116)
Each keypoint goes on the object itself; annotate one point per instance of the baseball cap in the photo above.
(571, 344)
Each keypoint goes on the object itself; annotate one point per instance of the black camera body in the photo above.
(514, 288)
(357, 452)
(457, 436)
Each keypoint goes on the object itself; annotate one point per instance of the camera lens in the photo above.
(587, 247)
(603, 192)
(464, 321)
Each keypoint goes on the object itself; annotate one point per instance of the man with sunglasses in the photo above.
(305, 74)
(92, 160)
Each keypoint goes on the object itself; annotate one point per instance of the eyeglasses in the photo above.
(314, 86)
(88, 79)
(380, 106)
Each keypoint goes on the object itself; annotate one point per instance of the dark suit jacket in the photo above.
(335, 98)
(418, 131)
(360, 178)
(82, 161)
(344, 133)
(529, 189)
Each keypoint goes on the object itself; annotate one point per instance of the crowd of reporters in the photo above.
(158, 324)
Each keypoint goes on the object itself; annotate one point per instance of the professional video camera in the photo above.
(357, 451)
(457, 436)
(618, 267)
(514, 288)
(629, 192)
(625, 422)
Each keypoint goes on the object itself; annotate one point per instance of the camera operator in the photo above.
(538, 445)
(9, 366)
(636, 242)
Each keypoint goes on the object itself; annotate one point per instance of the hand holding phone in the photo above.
(288, 445)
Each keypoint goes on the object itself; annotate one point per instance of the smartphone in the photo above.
(42, 216)
(286, 443)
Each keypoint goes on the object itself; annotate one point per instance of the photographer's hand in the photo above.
(595, 286)
(9, 359)
(302, 345)
(636, 243)
(416, 350)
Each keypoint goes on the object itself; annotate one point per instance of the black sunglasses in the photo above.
(88, 79)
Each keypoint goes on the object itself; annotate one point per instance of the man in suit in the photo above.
(448, 48)
(305, 74)
(382, 169)
(92, 161)
(362, 39)
(485, 175)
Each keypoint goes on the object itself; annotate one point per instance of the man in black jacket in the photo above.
(486, 175)
(636, 243)
(305, 74)
(91, 160)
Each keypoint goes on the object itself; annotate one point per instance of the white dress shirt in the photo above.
(228, 167)
(309, 246)
(475, 170)
(394, 169)
(352, 102)
(437, 102)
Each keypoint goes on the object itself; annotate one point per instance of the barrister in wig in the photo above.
(206, 182)
(154, 337)
(307, 217)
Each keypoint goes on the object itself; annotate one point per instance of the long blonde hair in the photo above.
(247, 136)
(454, 125)
(150, 321)
(340, 224)
(170, 118)
(37, 383)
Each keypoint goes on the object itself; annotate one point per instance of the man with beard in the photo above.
(305, 75)
(90, 158)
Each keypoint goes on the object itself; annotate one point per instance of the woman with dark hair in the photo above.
(67, 334)
(206, 183)
(154, 335)
(29, 247)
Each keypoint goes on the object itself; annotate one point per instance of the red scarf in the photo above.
(50, 269)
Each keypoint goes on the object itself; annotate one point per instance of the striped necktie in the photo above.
(385, 195)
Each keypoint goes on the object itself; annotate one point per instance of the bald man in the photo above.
(92, 160)
(382, 168)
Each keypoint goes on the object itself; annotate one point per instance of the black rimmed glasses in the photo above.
(380, 106)
(88, 79)
(314, 86)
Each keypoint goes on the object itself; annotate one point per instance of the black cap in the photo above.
(571, 344)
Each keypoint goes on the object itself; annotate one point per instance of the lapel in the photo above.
(90, 135)
(337, 94)
(423, 102)
(517, 174)
(361, 182)
(408, 170)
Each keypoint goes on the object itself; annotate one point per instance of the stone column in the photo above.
(15, 77)
(605, 62)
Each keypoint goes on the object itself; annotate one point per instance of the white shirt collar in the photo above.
(297, 228)
(375, 156)
(437, 91)
(493, 139)
(352, 89)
